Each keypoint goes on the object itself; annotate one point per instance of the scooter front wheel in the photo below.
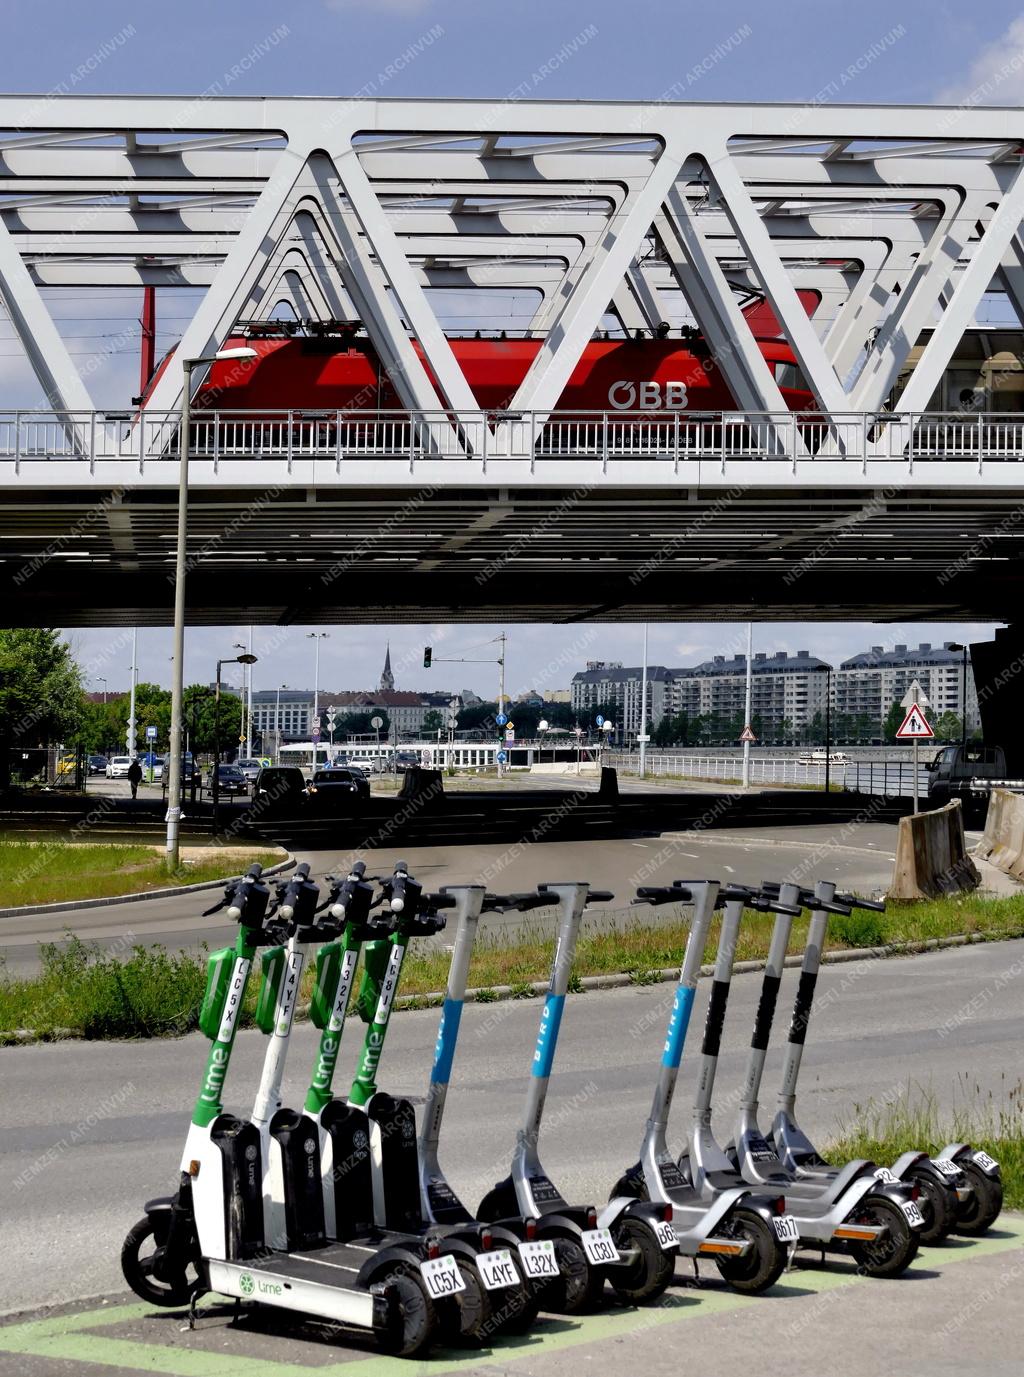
(653, 1268)
(764, 1262)
(138, 1253)
(986, 1203)
(891, 1256)
(412, 1320)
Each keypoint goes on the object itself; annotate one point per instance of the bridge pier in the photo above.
(999, 677)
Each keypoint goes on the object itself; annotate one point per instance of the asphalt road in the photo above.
(857, 856)
(92, 1130)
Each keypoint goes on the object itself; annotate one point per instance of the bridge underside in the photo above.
(513, 555)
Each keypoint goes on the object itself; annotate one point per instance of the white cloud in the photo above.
(995, 76)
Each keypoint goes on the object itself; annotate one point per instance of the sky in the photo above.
(886, 51)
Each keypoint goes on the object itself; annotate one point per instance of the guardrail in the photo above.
(29, 437)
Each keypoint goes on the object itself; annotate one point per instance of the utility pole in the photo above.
(248, 706)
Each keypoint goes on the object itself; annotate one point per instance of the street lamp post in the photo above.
(827, 671)
(542, 727)
(244, 659)
(277, 720)
(955, 645)
(100, 680)
(316, 637)
(180, 567)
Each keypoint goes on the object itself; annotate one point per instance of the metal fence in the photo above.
(894, 778)
(222, 436)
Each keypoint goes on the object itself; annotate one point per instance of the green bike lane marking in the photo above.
(72, 1338)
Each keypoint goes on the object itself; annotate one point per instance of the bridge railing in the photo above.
(30, 436)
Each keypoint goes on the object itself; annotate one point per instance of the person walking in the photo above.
(134, 776)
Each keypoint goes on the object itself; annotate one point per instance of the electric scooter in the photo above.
(575, 1248)
(958, 1191)
(877, 1221)
(210, 1235)
(747, 1235)
(373, 1136)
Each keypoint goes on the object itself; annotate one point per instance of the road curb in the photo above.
(616, 980)
(71, 905)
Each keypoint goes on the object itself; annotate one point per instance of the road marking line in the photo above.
(64, 1337)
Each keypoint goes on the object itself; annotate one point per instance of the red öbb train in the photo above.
(342, 372)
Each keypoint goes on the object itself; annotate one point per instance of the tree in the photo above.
(893, 721)
(40, 692)
(949, 727)
(432, 721)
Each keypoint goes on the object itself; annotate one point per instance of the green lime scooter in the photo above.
(210, 1236)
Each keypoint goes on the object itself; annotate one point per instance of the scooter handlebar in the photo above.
(510, 903)
(662, 894)
(852, 901)
(600, 896)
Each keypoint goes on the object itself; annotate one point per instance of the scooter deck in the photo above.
(321, 1282)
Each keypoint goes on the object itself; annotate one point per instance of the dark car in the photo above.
(280, 786)
(403, 759)
(97, 764)
(337, 785)
(230, 780)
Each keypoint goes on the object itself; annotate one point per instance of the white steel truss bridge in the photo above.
(414, 222)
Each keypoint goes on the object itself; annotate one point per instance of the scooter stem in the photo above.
(208, 1106)
(469, 902)
(268, 1097)
(731, 918)
(705, 894)
(572, 900)
(809, 966)
(789, 894)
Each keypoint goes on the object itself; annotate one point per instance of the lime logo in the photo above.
(246, 1284)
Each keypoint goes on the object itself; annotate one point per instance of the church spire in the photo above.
(387, 679)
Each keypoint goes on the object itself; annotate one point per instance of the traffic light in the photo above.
(428, 655)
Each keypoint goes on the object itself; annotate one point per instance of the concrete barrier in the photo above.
(931, 856)
(1002, 842)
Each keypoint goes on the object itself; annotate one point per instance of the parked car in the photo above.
(338, 784)
(117, 766)
(229, 780)
(159, 768)
(365, 765)
(98, 764)
(250, 767)
(280, 786)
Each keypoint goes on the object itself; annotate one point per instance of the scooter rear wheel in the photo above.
(653, 1269)
(891, 1256)
(137, 1268)
(413, 1318)
(763, 1264)
(579, 1285)
(468, 1317)
(938, 1204)
(984, 1206)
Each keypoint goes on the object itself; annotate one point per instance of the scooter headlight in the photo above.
(234, 913)
(287, 911)
(397, 905)
(337, 910)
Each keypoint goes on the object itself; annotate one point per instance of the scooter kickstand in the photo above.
(696, 1272)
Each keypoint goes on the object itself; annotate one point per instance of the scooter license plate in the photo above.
(442, 1277)
(785, 1228)
(665, 1234)
(913, 1214)
(884, 1174)
(497, 1270)
(947, 1167)
(539, 1261)
(599, 1246)
(986, 1162)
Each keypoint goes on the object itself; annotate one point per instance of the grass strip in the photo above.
(134, 991)
(48, 872)
(914, 1122)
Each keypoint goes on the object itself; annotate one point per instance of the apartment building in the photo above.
(617, 689)
(870, 682)
(786, 690)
